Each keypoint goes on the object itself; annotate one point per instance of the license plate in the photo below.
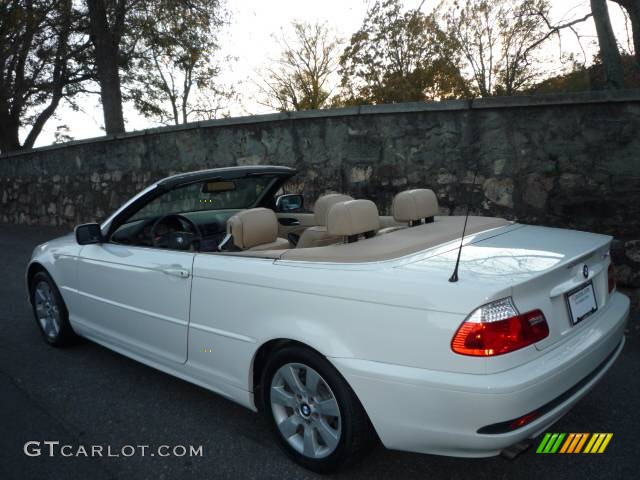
(581, 303)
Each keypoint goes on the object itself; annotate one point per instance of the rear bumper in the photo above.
(439, 412)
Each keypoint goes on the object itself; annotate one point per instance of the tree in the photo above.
(609, 53)
(632, 8)
(43, 59)
(61, 135)
(499, 41)
(174, 72)
(399, 56)
(107, 26)
(301, 78)
(582, 78)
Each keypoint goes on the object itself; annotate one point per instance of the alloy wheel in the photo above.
(47, 310)
(305, 410)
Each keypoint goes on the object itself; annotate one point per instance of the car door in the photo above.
(135, 286)
(136, 297)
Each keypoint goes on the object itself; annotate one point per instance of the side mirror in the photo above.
(289, 202)
(88, 233)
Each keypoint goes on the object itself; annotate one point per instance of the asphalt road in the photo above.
(88, 395)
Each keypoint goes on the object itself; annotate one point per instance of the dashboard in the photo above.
(211, 223)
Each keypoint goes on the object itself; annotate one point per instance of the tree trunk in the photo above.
(42, 118)
(9, 138)
(634, 16)
(633, 10)
(614, 76)
(110, 94)
(106, 41)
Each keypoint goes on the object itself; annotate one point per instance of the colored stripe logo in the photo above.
(574, 442)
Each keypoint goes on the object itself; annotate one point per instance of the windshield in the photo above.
(237, 194)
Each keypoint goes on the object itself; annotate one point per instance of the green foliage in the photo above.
(399, 56)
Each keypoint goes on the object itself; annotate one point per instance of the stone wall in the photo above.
(559, 160)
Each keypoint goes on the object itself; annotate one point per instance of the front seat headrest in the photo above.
(253, 227)
(414, 205)
(353, 217)
(323, 205)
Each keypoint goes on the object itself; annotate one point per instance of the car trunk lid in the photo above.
(537, 266)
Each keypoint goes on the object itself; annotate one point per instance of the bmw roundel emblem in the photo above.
(585, 271)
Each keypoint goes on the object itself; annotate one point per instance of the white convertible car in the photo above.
(340, 325)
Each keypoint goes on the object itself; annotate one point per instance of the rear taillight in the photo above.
(497, 328)
(611, 272)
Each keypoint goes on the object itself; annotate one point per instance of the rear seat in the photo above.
(412, 207)
(317, 236)
(353, 219)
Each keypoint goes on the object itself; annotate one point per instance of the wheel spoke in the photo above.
(291, 379)
(310, 445)
(40, 294)
(329, 436)
(54, 326)
(48, 329)
(328, 407)
(279, 396)
(312, 381)
(289, 426)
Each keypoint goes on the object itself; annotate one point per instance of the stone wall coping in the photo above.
(602, 96)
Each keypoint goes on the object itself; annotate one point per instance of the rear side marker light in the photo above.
(497, 328)
(523, 420)
(611, 273)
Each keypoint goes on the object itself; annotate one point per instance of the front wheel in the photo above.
(50, 311)
(314, 414)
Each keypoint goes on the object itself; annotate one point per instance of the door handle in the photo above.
(289, 221)
(176, 272)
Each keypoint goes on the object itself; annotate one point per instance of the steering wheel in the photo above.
(161, 240)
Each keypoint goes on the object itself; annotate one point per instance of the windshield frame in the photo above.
(267, 199)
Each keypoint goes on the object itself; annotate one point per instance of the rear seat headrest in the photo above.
(323, 205)
(253, 227)
(413, 205)
(353, 217)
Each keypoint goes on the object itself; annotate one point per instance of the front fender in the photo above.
(58, 257)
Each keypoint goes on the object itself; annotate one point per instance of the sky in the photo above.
(249, 39)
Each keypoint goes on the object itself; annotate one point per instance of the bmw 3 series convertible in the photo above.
(341, 326)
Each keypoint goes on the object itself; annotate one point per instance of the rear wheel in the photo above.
(313, 412)
(50, 311)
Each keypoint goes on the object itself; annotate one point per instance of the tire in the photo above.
(50, 312)
(315, 416)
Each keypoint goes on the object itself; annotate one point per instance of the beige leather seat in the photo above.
(411, 207)
(317, 236)
(256, 229)
(353, 218)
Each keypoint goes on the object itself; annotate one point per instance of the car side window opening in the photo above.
(200, 209)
